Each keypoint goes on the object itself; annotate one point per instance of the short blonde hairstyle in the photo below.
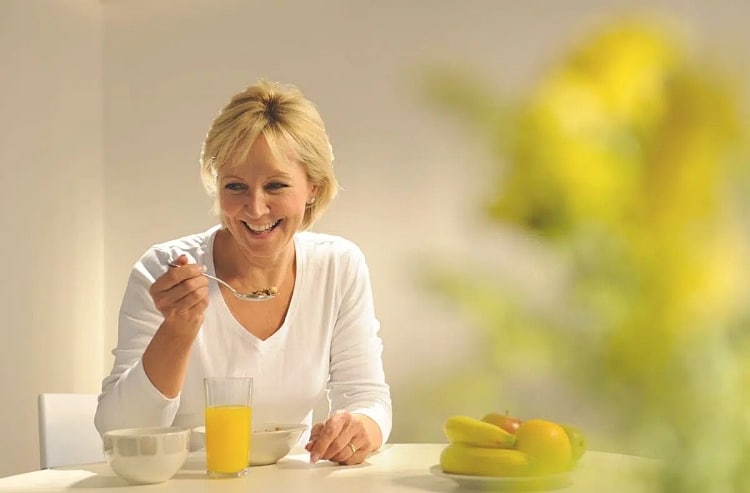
(289, 122)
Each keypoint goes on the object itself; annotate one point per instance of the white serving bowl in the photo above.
(269, 442)
(146, 455)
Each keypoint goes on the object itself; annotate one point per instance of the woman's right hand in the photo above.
(181, 295)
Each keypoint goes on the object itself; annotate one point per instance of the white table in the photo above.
(402, 468)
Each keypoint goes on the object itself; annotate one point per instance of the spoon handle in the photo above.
(172, 264)
(219, 281)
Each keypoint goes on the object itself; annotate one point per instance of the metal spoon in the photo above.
(260, 295)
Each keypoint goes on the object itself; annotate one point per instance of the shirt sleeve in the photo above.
(128, 398)
(357, 380)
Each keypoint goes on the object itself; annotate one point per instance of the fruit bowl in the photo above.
(504, 453)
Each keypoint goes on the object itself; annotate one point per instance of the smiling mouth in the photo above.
(260, 229)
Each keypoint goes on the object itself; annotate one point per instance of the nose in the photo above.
(257, 205)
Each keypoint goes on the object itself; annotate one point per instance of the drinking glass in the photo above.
(228, 425)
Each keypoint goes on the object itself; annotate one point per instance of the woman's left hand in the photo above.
(344, 438)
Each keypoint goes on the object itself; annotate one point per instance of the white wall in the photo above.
(52, 290)
(76, 186)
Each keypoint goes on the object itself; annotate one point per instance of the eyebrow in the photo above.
(277, 175)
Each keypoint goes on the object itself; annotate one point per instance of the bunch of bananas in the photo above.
(537, 447)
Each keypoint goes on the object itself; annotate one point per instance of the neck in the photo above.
(241, 268)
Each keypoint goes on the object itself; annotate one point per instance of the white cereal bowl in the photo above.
(146, 455)
(269, 442)
(272, 441)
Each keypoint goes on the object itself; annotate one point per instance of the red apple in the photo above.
(504, 421)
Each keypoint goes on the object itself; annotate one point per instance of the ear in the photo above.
(312, 195)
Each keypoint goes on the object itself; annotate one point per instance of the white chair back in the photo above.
(67, 434)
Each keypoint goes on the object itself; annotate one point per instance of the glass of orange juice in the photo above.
(228, 425)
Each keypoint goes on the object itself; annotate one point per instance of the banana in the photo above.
(471, 431)
(458, 458)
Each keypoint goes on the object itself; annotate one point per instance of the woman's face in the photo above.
(263, 199)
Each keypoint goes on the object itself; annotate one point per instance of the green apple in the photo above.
(577, 442)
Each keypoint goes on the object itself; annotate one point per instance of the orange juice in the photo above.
(227, 438)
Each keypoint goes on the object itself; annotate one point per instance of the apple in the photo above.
(577, 441)
(505, 421)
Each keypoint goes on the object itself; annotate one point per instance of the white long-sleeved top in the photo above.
(328, 343)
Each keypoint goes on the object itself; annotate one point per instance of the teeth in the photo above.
(261, 229)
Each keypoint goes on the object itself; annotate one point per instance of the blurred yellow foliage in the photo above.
(629, 160)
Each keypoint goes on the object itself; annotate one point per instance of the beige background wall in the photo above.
(104, 107)
(52, 212)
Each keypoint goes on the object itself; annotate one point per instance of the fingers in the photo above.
(327, 434)
(314, 432)
(353, 452)
(339, 449)
(339, 439)
(356, 454)
(181, 292)
(181, 260)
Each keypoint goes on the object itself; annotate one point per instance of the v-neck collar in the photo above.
(217, 298)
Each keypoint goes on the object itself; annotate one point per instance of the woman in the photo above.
(268, 163)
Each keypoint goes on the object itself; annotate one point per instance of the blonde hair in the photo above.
(289, 122)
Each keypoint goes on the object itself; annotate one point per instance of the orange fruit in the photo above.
(547, 443)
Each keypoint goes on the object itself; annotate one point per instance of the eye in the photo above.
(235, 187)
(276, 186)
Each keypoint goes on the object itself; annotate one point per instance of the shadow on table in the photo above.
(423, 482)
(102, 478)
(436, 484)
(323, 464)
(99, 481)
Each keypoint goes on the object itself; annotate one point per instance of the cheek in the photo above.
(230, 206)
